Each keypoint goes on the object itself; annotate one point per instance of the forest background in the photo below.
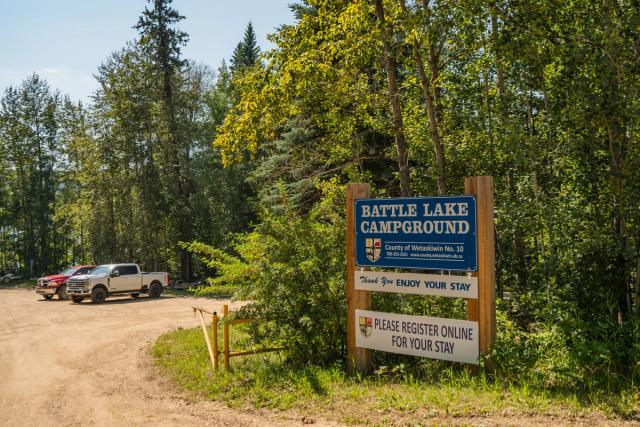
(237, 174)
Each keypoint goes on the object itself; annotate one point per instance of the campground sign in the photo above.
(453, 236)
(425, 233)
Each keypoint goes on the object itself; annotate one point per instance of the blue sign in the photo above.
(432, 233)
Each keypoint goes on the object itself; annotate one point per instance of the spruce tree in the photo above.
(246, 52)
(237, 57)
(161, 41)
(250, 46)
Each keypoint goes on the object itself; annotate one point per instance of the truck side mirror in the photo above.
(115, 273)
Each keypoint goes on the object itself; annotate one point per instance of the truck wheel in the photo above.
(6, 279)
(62, 293)
(98, 295)
(155, 290)
(135, 295)
(77, 300)
(47, 296)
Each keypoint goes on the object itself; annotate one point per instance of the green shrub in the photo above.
(568, 354)
(291, 270)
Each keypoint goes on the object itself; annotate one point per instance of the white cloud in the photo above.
(51, 70)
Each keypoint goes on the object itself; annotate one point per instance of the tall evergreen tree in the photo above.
(162, 41)
(246, 52)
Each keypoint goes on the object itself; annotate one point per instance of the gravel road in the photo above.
(88, 364)
(64, 364)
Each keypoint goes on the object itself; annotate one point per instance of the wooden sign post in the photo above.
(483, 309)
(358, 359)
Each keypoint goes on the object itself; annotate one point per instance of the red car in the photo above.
(56, 284)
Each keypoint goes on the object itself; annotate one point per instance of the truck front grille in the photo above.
(75, 286)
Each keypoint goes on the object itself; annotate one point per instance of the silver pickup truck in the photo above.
(115, 279)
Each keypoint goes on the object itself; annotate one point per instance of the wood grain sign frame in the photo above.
(481, 310)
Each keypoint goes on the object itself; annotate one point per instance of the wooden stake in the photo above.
(206, 338)
(225, 336)
(357, 358)
(483, 310)
(214, 333)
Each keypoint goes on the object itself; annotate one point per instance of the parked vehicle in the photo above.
(56, 284)
(113, 279)
(9, 277)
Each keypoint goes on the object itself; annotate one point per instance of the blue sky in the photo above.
(65, 40)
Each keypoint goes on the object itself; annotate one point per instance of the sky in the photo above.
(65, 41)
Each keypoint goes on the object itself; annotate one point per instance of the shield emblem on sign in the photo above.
(373, 249)
(366, 326)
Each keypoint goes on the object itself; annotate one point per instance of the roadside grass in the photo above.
(390, 396)
(214, 292)
(19, 284)
(177, 292)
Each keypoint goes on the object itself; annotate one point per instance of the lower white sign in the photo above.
(437, 338)
(444, 285)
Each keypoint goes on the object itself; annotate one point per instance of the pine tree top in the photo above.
(159, 34)
(247, 51)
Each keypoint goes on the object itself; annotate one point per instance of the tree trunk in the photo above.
(517, 238)
(433, 65)
(433, 122)
(390, 67)
(637, 293)
(619, 224)
(179, 199)
(617, 139)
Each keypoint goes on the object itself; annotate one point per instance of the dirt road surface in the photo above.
(64, 364)
(88, 364)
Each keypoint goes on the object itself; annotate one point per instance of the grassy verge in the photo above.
(216, 291)
(177, 292)
(19, 284)
(211, 292)
(391, 396)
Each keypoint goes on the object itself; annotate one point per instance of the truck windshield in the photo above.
(69, 271)
(103, 269)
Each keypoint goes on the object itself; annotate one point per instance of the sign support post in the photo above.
(483, 310)
(358, 359)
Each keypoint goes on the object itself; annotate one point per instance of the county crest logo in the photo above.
(373, 249)
(366, 326)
